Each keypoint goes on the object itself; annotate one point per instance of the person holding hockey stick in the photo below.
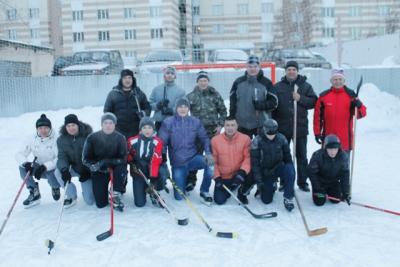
(231, 152)
(145, 154)
(329, 172)
(70, 143)
(102, 150)
(43, 146)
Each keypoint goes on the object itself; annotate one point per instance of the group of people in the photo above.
(250, 146)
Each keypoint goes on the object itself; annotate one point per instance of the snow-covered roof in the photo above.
(26, 45)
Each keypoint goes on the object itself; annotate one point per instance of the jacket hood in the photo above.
(133, 83)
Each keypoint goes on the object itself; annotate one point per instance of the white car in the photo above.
(156, 61)
(228, 56)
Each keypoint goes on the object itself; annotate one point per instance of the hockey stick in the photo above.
(195, 211)
(257, 216)
(50, 243)
(110, 232)
(184, 221)
(16, 198)
(318, 231)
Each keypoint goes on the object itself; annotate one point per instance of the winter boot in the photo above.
(33, 198)
(289, 205)
(191, 181)
(206, 198)
(55, 192)
(242, 197)
(69, 202)
(117, 202)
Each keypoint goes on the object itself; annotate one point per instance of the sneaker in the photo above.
(206, 197)
(69, 202)
(242, 197)
(304, 187)
(118, 204)
(289, 205)
(55, 192)
(33, 198)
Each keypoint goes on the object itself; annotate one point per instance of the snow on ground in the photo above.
(148, 237)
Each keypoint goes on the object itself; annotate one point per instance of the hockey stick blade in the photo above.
(226, 235)
(49, 244)
(319, 231)
(265, 215)
(104, 235)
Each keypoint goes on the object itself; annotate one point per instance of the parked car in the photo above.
(60, 63)
(228, 56)
(95, 62)
(131, 63)
(156, 61)
(303, 56)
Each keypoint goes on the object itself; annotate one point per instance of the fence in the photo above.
(26, 94)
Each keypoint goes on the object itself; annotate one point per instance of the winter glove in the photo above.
(133, 169)
(28, 166)
(84, 175)
(238, 178)
(167, 111)
(319, 139)
(162, 103)
(95, 167)
(66, 176)
(209, 159)
(140, 114)
(164, 158)
(346, 197)
(259, 104)
(356, 103)
(218, 182)
(38, 172)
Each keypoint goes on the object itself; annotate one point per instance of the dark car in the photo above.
(95, 62)
(60, 63)
(303, 56)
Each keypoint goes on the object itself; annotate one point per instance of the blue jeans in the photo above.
(285, 172)
(49, 175)
(179, 174)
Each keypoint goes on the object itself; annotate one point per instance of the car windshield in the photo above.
(301, 53)
(231, 56)
(91, 57)
(163, 56)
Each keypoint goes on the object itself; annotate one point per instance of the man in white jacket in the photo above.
(43, 146)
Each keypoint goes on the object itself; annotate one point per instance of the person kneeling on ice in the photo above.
(179, 134)
(42, 146)
(231, 152)
(329, 172)
(270, 159)
(70, 143)
(145, 154)
(106, 149)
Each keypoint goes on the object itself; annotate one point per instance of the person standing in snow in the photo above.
(329, 172)
(102, 150)
(179, 134)
(334, 112)
(252, 98)
(284, 115)
(163, 97)
(70, 143)
(43, 146)
(270, 159)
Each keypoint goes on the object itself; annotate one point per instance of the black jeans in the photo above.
(301, 158)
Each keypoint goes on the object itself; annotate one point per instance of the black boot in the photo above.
(242, 197)
(55, 192)
(191, 180)
(33, 198)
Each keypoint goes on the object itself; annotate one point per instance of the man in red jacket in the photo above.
(334, 112)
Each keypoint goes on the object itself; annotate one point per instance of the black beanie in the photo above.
(126, 72)
(202, 74)
(43, 121)
(292, 63)
(71, 118)
(253, 59)
(182, 101)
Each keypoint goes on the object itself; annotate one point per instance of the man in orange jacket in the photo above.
(231, 152)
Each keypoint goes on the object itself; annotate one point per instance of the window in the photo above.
(383, 11)
(267, 27)
(243, 28)
(217, 10)
(102, 14)
(218, 28)
(104, 36)
(77, 15)
(34, 13)
(130, 53)
(328, 32)
(11, 14)
(196, 29)
(267, 8)
(129, 13)
(78, 37)
(355, 11)
(196, 10)
(155, 11)
(12, 34)
(243, 9)
(130, 34)
(156, 33)
(355, 33)
(35, 33)
(328, 12)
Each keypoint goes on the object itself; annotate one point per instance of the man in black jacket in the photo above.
(270, 159)
(103, 150)
(70, 143)
(329, 172)
(252, 98)
(128, 103)
(284, 115)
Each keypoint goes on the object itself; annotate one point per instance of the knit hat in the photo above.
(43, 121)
(71, 118)
(182, 101)
(126, 72)
(253, 59)
(170, 69)
(146, 121)
(109, 116)
(337, 72)
(202, 74)
(292, 63)
(331, 141)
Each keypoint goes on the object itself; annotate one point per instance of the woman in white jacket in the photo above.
(43, 146)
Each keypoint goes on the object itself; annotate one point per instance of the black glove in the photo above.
(167, 111)
(84, 175)
(140, 114)
(38, 172)
(218, 182)
(259, 104)
(356, 103)
(238, 178)
(162, 103)
(28, 166)
(95, 167)
(164, 157)
(319, 139)
(66, 176)
(346, 197)
(133, 169)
